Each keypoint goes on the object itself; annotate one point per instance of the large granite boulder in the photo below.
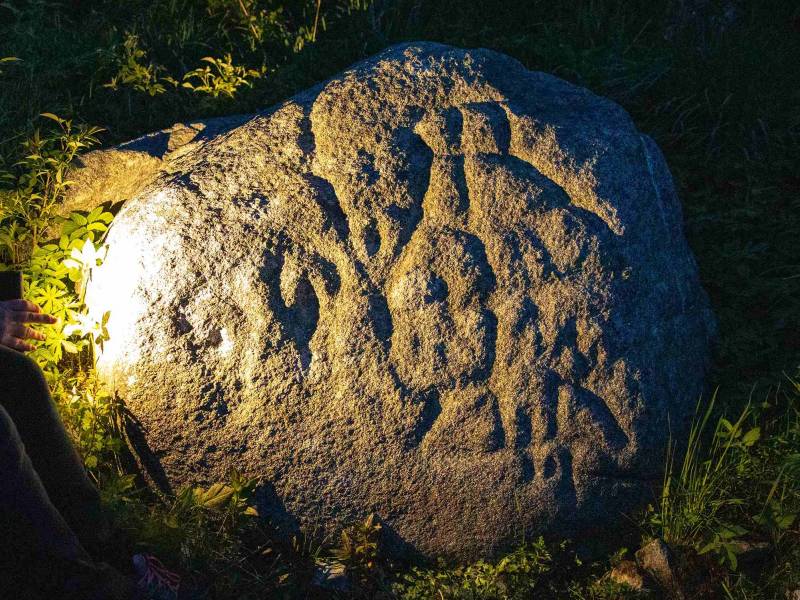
(438, 287)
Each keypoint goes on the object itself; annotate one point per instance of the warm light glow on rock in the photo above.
(121, 285)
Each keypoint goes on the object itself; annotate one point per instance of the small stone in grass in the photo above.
(657, 559)
(627, 573)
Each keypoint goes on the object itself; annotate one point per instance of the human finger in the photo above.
(22, 332)
(22, 316)
(22, 305)
(15, 344)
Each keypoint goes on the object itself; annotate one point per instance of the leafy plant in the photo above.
(56, 270)
(199, 526)
(56, 275)
(358, 548)
(235, 497)
(220, 77)
(725, 543)
(35, 187)
(257, 23)
(92, 417)
(515, 575)
(782, 452)
(713, 503)
(134, 72)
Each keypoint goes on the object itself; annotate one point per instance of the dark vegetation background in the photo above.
(715, 83)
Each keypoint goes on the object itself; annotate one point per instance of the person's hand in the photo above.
(13, 331)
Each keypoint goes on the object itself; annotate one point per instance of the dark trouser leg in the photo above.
(31, 525)
(25, 397)
(41, 479)
(40, 556)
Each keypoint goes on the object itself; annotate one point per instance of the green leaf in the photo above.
(69, 347)
(215, 497)
(732, 560)
(752, 436)
(732, 531)
(52, 117)
(785, 521)
(94, 214)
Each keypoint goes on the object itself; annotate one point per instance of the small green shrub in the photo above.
(208, 534)
(34, 188)
(93, 418)
(56, 275)
(736, 482)
(692, 498)
(57, 269)
(358, 550)
(134, 72)
(220, 77)
(516, 575)
(257, 23)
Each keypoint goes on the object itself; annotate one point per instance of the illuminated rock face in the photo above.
(438, 287)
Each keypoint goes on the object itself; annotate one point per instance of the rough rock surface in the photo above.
(438, 287)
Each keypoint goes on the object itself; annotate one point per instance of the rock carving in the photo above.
(437, 287)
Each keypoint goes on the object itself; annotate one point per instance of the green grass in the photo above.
(737, 484)
(720, 93)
